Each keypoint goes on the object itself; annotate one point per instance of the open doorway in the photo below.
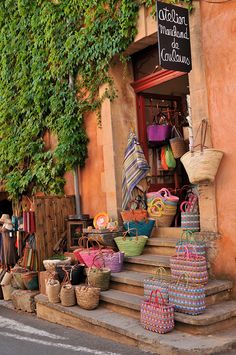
(161, 97)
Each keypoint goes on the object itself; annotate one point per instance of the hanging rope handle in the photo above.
(203, 131)
(155, 292)
(66, 279)
(175, 133)
(127, 232)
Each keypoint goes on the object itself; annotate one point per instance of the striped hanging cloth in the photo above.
(135, 168)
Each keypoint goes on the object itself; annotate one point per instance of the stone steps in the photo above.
(214, 314)
(160, 246)
(132, 282)
(167, 232)
(148, 263)
(127, 330)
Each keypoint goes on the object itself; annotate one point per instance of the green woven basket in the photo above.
(131, 246)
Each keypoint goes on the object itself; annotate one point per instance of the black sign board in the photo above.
(173, 37)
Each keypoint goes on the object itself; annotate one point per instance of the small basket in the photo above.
(87, 296)
(67, 295)
(99, 278)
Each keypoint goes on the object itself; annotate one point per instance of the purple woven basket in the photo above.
(158, 133)
(114, 261)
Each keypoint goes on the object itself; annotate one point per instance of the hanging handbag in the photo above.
(157, 316)
(177, 143)
(170, 160)
(202, 165)
(163, 158)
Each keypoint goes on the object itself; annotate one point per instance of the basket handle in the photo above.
(82, 241)
(67, 279)
(126, 232)
(185, 276)
(160, 271)
(154, 292)
(203, 129)
(175, 132)
(93, 240)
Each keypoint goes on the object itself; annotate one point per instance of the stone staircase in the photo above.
(121, 304)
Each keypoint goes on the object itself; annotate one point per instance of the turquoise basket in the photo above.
(143, 227)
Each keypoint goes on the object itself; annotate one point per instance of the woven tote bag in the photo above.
(187, 298)
(87, 296)
(192, 264)
(157, 316)
(131, 246)
(159, 281)
(144, 227)
(187, 240)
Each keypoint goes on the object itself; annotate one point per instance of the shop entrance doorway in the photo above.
(161, 98)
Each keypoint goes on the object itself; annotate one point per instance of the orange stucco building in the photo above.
(211, 86)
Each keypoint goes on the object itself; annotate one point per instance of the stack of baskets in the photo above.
(162, 206)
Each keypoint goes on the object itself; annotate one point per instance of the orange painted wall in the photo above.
(219, 49)
(93, 198)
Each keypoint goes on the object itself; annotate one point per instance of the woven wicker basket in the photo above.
(131, 246)
(178, 147)
(99, 278)
(67, 295)
(87, 296)
(202, 166)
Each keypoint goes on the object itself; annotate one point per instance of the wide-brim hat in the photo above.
(5, 218)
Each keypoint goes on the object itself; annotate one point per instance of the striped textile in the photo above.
(135, 168)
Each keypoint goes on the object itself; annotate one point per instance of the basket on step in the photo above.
(87, 296)
(114, 261)
(160, 280)
(99, 278)
(131, 246)
(144, 227)
(67, 295)
(163, 214)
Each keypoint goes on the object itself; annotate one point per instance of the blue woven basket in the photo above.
(143, 227)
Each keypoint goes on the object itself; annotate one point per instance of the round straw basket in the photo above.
(99, 278)
(202, 166)
(67, 295)
(87, 296)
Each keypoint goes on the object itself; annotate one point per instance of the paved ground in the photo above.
(22, 333)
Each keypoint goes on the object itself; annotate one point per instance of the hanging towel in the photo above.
(135, 168)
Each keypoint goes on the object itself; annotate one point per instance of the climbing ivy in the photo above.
(54, 57)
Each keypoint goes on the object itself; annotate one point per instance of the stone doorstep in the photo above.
(24, 300)
(174, 343)
(136, 279)
(213, 314)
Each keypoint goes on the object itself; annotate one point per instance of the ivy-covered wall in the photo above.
(54, 57)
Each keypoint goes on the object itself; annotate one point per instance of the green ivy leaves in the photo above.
(42, 44)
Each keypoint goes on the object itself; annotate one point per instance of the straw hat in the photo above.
(5, 218)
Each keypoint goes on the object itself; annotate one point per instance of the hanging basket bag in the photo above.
(131, 246)
(157, 316)
(177, 143)
(202, 166)
(187, 298)
(87, 296)
(189, 220)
